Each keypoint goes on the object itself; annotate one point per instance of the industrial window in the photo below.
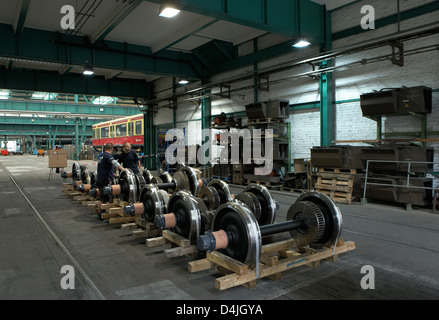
(138, 127)
(121, 130)
(105, 132)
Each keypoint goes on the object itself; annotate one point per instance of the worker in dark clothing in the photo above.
(105, 176)
(129, 159)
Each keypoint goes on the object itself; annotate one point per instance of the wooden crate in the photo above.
(237, 273)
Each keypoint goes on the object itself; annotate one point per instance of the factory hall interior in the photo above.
(227, 156)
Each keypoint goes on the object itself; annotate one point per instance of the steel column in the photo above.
(326, 91)
(147, 142)
(76, 155)
(206, 110)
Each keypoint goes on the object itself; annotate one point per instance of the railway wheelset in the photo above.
(213, 218)
(83, 179)
(130, 187)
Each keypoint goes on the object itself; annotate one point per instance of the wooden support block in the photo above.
(179, 251)
(118, 211)
(142, 233)
(106, 206)
(120, 203)
(105, 216)
(234, 279)
(121, 219)
(227, 262)
(314, 264)
(140, 221)
(278, 246)
(89, 203)
(139, 233)
(199, 265)
(128, 226)
(272, 261)
(80, 198)
(333, 258)
(74, 193)
(153, 242)
(175, 238)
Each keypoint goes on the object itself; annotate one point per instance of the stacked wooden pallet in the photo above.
(336, 183)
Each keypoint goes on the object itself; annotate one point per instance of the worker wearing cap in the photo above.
(106, 166)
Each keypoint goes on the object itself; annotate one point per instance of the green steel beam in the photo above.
(35, 132)
(56, 47)
(255, 57)
(46, 81)
(66, 109)
(392, 19)
(64, 122)
(40, 127)
(291, 18)
(24, 7)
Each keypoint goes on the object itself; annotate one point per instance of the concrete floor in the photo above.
(401, 246)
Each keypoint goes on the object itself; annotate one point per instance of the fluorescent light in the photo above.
(183, 81)
(88, 69)
(39, 95)
(301, 44)
(168, 12)
(4, 94)
(103, 100)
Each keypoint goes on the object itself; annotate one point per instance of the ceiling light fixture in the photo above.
(168, 10)
(88, 69)
(183, 81)
(301, 43)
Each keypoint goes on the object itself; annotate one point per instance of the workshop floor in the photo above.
(401, 246)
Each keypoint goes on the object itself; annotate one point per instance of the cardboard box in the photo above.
(57, 158)
(299, 165)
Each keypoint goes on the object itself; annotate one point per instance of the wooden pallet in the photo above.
(180, 246)
(275, 258)
(338, 186)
